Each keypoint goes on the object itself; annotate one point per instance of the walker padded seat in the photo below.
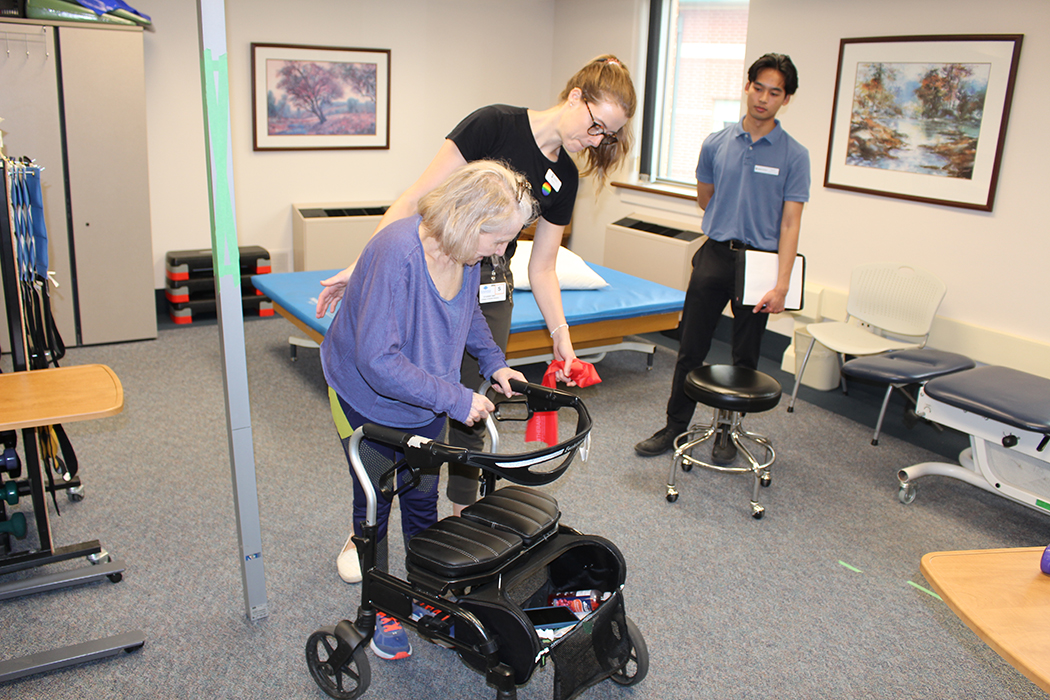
(1019, 399)
(528, 513)
(732, 388)
(456, 548)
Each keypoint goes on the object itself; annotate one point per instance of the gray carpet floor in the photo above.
(820, 599)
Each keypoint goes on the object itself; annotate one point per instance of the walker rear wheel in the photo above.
(637, 665)
(347, 681)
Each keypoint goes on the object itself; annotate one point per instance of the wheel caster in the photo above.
(637, 665)
(687, 466)
(672, 496)
(339, 669)
(75, 493)
(906, 493)
(757, 511)
(116, 577)
(102, 557)
(765, 479)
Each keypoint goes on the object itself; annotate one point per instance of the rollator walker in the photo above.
(481, 583)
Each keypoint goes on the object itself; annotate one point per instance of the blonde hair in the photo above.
(481, 196)
(605, 79)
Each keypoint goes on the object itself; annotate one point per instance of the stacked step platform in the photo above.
(190, 288)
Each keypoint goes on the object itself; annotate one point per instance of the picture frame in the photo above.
(922, 118)
(319, 98)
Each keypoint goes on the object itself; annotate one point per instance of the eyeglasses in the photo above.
(597, 129)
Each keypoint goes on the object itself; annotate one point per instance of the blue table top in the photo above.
(626, 296)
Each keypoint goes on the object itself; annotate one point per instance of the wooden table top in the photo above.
(58, 395)
(1001, 595)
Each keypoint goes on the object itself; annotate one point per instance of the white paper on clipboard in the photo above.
(760, 270)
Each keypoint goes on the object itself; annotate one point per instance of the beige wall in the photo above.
(442, 67)
(995, 264)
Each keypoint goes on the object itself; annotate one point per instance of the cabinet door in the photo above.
(31, 127)
(104, 98)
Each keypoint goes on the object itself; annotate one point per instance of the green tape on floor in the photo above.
(925, 590)
(851, 568)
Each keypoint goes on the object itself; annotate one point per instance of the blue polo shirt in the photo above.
(752, 182)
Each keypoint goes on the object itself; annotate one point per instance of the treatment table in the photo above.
(598, 318)
(1006, 413)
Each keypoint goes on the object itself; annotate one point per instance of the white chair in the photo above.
(890, 307)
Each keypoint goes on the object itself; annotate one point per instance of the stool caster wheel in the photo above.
(101, 557)
(116, 577)
(765, 479)
(687, 466)
(757, 511)
(672, 494)
(906, 493)
(75, 493)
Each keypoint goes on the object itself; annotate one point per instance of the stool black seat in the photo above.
(733, 388)
(731, 392)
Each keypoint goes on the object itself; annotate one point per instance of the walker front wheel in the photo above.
(341, 679)
(637, 665)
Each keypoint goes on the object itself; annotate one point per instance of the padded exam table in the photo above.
(598, 318)
(1006, 413)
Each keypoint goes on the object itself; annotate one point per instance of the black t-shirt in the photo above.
(502, 132)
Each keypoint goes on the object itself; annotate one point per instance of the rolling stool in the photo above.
(730, 391)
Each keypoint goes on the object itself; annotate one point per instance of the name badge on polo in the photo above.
(766, 170)
(496, 291)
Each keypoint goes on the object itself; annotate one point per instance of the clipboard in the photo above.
(756, 274)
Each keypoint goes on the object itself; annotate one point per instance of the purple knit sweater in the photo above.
(394, 349)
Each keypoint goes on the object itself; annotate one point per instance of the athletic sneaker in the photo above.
(420, 610)
(390, 641)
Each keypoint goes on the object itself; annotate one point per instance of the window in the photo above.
(694, 81)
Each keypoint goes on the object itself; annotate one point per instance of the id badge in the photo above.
(496, 291)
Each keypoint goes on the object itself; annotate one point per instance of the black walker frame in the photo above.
(481, 610)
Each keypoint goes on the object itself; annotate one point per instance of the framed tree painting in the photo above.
(922, 118)
(319, 97)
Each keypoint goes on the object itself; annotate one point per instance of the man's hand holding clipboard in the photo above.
(756, 275)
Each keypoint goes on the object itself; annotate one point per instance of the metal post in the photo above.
(211, 16)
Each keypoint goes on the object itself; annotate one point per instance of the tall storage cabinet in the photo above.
(77, 104)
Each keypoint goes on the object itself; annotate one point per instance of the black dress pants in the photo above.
(711, 285)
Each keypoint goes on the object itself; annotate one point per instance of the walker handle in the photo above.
(542, 398)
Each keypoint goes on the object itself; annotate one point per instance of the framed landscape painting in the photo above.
(923, 117)
(319, 97)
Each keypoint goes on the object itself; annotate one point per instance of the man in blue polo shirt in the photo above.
(752, 181)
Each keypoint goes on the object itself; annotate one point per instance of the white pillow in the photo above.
(573, 272)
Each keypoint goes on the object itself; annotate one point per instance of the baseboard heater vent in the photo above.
(332, 235)
(658, 251)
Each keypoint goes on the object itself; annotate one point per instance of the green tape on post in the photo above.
(224, 224)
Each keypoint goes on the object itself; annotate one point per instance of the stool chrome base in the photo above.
(730, 421)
